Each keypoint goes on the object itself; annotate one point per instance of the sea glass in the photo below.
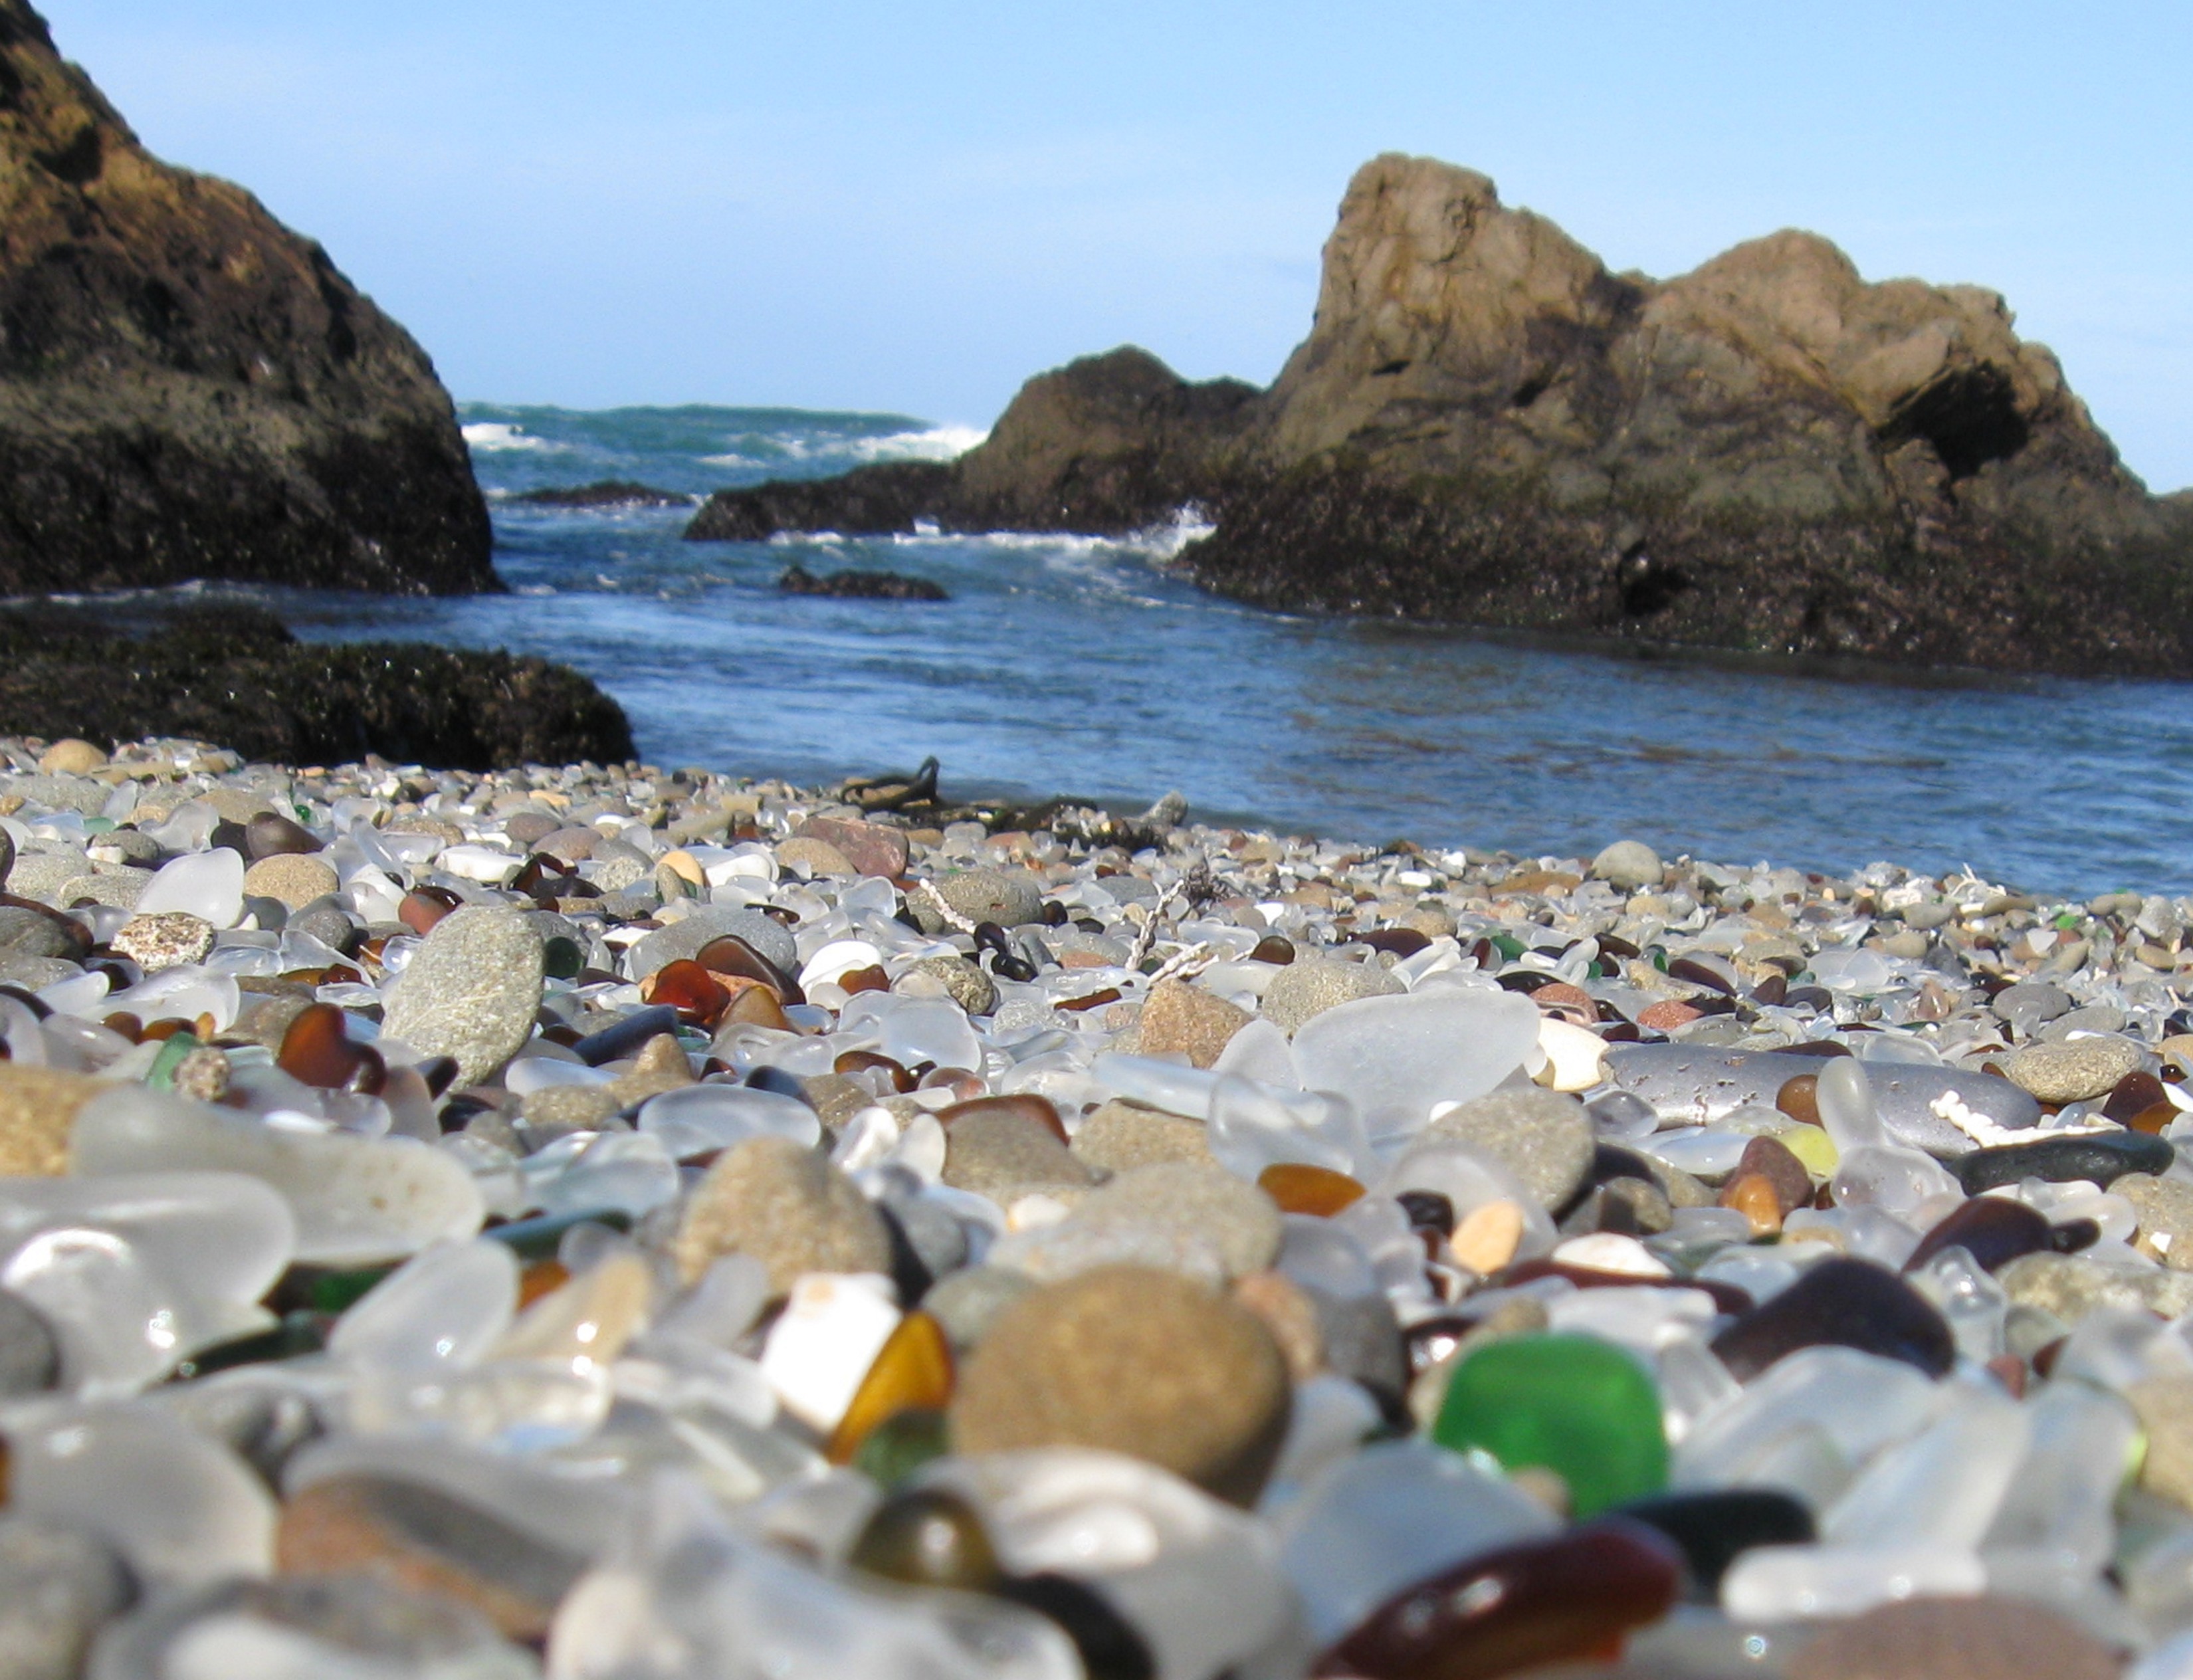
(1570, 1404)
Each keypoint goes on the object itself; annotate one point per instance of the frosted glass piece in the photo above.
(1394, 1058)
(209, 885)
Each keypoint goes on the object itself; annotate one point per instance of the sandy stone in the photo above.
(1009, 898)
(38, 1106)
(1292, 1317)
(1544, 1137)
(70, 757)
(1630, 865)
(787, 1207)
(1004, 1156)
(965, 983)
(165, 939)
(1121, 1136)
(1178, 1018)
(1309, 986)
(294, 877)
(815, 858)
(872, 848)
(2074, 1069)
(2071, 1286)
(1135, 1361)
(1197, 1220)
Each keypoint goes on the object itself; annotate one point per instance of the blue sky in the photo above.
(913, 208)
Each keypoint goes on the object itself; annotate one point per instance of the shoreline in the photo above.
(613, 1149)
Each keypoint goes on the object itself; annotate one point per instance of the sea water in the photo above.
(1085, 666)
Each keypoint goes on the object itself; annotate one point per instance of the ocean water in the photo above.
(1082, 666)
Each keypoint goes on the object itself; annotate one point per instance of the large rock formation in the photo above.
(1487, 427)
(188, 389)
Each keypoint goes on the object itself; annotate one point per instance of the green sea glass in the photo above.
(1574, 1405)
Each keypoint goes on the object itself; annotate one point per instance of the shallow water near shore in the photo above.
(1080, 666)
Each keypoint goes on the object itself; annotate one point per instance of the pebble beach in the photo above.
(617, 1223)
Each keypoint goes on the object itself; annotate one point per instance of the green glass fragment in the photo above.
(900, 1445)
(562, 958)
(161, 1076)
(1508, 945)
(1574, 1405)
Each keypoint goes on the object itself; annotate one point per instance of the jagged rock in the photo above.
(188, 388)
(234, 675)
(1487, 425)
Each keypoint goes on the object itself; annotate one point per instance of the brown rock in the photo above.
(815, 858)
(872, 848)
(192, 390)
(1131, 1359)
(1179, 1018)
(1983, 1638)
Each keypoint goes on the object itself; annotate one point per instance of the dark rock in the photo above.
(30, 1360)
(606, 493)
(1484, 426)
(234, 675)
(860, 586)
(1844, 1303)
(188, 388)
(2102, 1157)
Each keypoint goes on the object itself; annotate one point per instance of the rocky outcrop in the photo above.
(610, 493)
(853, 585)
(1107, 444)
(188, 388)
(1487, 425)
(235, 676)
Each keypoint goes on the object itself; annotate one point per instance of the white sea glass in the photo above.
(700, 1119)
(1394, 1058)
(208, 885)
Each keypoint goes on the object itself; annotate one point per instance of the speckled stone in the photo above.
(34, 933)
(1982, 1639)
(29, 973)
(557, 1109)
(1544, 1138)
(2071, 1070)
(1199, 1221)
(1309, 986)
(38, 1106)
(785, 1206)
(815, 858)
(1009, 898)
(1178, 1018)
(201, 1075)
(1005, 1155)
(2164, 1209)
(1121, 1136)
(1131, 1359)
(294, 878)
(164, 940)
(965, 983)
(471, 990)
(2071, 1286)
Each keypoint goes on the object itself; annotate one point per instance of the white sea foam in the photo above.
(933, 443)
(500, 437)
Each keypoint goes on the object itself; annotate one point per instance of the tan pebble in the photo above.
(1753, 1196)
(295, 879)
(660, 1066)
(1666, 1015)
(70, 756)
(815, 857)
(1487, 1237)
(38, 1106)
(683, 865)
(1180, 1018)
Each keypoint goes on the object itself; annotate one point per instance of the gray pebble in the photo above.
(1200, 1221)
(1544, 1138)
(31, 934)
(471, 990)
(683, 938)
(2072, 1069)
(2071, 1288)
(2030, 1003)
(965, 983)
(1628, 864)
(1009, 898)
(967, 1302)
(1005, 1155)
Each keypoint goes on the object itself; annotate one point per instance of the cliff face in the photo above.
(1487, 425)
(188, 389)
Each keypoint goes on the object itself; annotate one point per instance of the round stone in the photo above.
(1009, 898)
(2071, 1286)
(295, 878)
(471, 990)
(38, 1106)
(165, 940)
(684, 938)
(1306, 988)
(2071, 1070)
(1544, 1138)
(1179, 1019)
(814, 858)
(968, 1302)
(1631, 865)
(1131, 1359)
(70, 757)
(784, 1205)
(1121, 1136)
(1005, 1154)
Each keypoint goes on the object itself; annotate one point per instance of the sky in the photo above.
(912, 208)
